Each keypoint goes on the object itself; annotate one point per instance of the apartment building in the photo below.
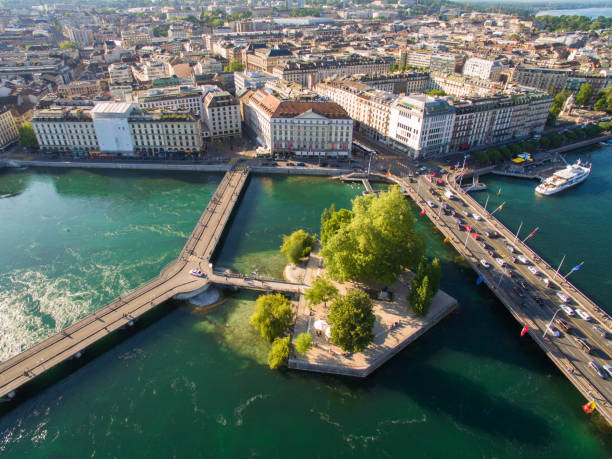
(265, 59)
(120, 73)
(9, 133)
(492, 120)
(397, 83)
(140, 36)
(79, 88)
(151, 70)
(549, 80)
(302, 128)
(221, 114)
(84, 37)
(251, 80)
(482, 68)
(183, 98)
(446, 63)
(458, 85)
(310, 73)
(421, 125)
(118, 128)
(369, 107)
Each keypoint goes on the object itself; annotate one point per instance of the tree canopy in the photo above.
(321, 292)
(68, 44)
(279, 353)
(584, 95)
(352, 319)
(425, 284)
(234, 66)
(303, 342)
(604, 100)
(27, 137)
(374, 242)
(297, 245)
(557, 105)
(272, 316)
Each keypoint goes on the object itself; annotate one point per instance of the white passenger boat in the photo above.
(572, 175)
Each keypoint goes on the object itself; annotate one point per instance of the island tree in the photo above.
(425, 284)
(297, 245)
(374, 242)
(321, 292)
(352, 319)
(279, 353)
(272, 316)
(27, 137)
(303, 342)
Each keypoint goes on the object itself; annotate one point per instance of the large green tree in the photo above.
(376, 243)
(584, 95)
(352, 319)
(272, 316)
(321, 291)
(27, 137)
(425, 284)
(297, 245)
(333, 222)
(422, 298)
(279, 353)
(303, 342)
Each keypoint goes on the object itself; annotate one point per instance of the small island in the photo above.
(371, 290)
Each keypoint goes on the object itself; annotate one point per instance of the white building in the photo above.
(9, 133)
(184, 98)
(303, 128)
(149, 71)
(251, 80)
(110, 122)
(120, 73)
(135, 37)
(421, 125)
(482, 68)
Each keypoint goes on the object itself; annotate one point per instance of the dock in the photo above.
(174, 281)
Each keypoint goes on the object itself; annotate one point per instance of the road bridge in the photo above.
(174, 281)
(522, 291)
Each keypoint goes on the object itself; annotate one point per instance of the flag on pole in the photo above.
(422, 212)
(388, 174)
(501, 206)
(446, 239)
(498, 192)
(589, 407)
(467, 227)
(531, 234)
(479, 280)
(577, 267)
(524, 330)
(475, 236)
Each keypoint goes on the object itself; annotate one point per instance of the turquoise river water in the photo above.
(192, 383)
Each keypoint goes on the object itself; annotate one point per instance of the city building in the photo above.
(421, 125)
(151, 70)
(221, 114)
(397, 83)
(9, 134)
(115, 128)
(549, 80)
(79, 88)
(265, 59)
(120, 73)
(140, 36)
(446, 63)
(302, 128)
(457, 85)
(251, 80)
(482, 68)
(183, 98)
(369, 107)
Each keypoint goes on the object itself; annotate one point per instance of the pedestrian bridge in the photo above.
(174, 281)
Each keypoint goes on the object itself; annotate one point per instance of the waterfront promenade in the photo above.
(174, 281)
(524, 294)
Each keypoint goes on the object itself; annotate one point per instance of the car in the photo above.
(513, 260)
(563, 297)
(583, 315)
(453, 213)
(524, 285)
(598, 369)
(569, 311)
(523, 259)
(301, 164)
(494, 234)
(601, 331)
(500, 261)
(510, 248)
(534, 270)
(608, 369)
(511, 273)
(565, 326)
(197, 273)
(477, 217)
(553, 331)
(484, 263)
(517, 291)
(431, 204)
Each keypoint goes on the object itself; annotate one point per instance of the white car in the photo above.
(534, 270)
(553, 331)
(431, 204)
(583, 314)
(608, 369)
(477, 217)
(569, 311)
(563, 297)
(510, 248)
(523, 259)
(501, 262)
(484, 263)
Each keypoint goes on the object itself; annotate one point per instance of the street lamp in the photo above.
(550, 323)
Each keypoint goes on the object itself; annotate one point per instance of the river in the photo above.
(192, 383)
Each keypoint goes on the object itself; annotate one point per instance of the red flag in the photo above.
(435, 174)
(467, 227)
(589, 407)
(475, 236)
(524, 330)
(440, 181)
(388, 174)
(422, 212)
